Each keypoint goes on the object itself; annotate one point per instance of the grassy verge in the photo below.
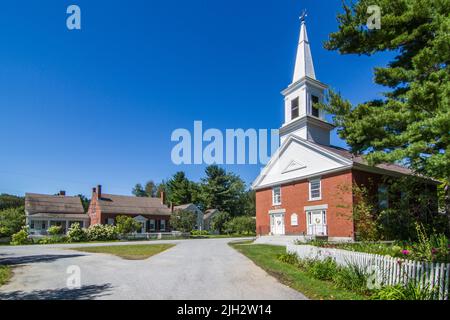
(5, 274)
(129, 252)
(265, 256)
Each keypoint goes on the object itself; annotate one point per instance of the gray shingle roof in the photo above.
(359, 159)
(209, 213)
(43, 203)
(183, 206)
(116, 204)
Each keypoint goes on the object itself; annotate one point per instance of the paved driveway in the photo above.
(193, 269)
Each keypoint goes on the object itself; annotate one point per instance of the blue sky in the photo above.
(79, 108)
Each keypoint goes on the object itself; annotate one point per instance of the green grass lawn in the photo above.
(129, 252)
(265, 256)
(5, 274)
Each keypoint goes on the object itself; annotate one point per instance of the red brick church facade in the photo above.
(306, 189)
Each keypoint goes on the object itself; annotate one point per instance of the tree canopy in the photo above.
(223, 191)
(219, 189)
(411, 122)
(139, 191)
(182, 220)
(179, 189)
(9, 201)
(11, 220)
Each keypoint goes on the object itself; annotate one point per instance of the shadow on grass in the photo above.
(83, 293)
(36, 258)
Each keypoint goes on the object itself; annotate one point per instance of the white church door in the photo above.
(277, 224)
(317, 222)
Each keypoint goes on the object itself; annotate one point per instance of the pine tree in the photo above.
(139, 191)
(223, 191)
(150, 189)
(179, 189)
(411, 122)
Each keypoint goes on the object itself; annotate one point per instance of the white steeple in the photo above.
(304, 66)
(302, 118)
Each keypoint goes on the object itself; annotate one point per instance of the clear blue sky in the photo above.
(98, 105)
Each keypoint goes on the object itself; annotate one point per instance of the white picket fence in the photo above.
(387, 270)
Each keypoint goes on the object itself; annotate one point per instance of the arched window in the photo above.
(294, 219)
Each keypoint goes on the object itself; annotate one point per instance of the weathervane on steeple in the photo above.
(303, 16)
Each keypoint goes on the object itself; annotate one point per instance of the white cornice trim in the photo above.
(306, 177)
(305, 80)
(292, 138)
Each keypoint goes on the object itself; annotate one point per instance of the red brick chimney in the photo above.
(99, 191)
(163, 197)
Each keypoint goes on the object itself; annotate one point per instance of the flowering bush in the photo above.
(54, 230)
(76, 233)
(100, 232)
(21, 237)
(434, 248)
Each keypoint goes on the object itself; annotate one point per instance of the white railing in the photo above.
(317, 230)
(387, 270)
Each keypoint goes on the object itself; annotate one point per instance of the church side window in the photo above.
(294, 108)
(314, 110)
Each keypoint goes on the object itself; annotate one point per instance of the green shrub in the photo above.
(219, 220)
(76, 233)
(100, 232)
(410, 291)
(11, 221)
(322, 269)
(127, 225)
(4, 232)
(21, 237)
(290, 258)
(52, 239)
(54, 230)
(5, 274)
(199, 232)
(351, 277)
(183, 220)
(241, 225)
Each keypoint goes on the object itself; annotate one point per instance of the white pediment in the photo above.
(297, 159)
(293, 166)
(140, 218)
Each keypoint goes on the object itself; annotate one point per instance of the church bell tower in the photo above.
(301, 117)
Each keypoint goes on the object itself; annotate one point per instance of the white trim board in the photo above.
(275, 211)
(318, 207)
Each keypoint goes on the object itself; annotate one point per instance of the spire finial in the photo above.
(303, 16)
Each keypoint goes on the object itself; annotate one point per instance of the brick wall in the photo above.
(94, 210)
(336, 193)
(99, 217)
(157, 218)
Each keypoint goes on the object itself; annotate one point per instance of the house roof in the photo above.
(184, 206)
(209, 213)
(360, 160)
(43, 203)
(116, 204)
